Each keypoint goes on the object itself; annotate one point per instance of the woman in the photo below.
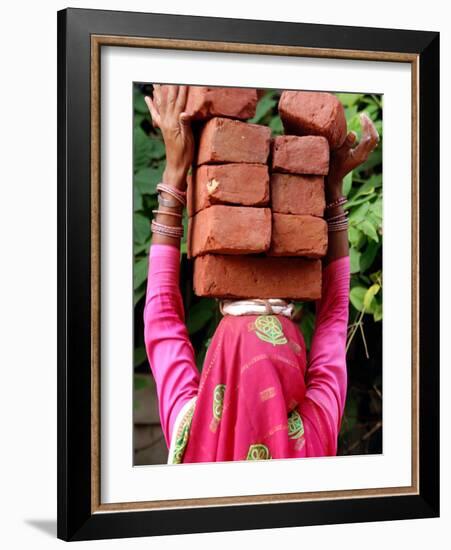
(259, 396)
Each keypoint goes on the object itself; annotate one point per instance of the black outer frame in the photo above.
(75, 520)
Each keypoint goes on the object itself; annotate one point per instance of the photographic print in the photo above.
(248, 252)
(258, 334)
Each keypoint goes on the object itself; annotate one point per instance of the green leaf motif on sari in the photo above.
(258, 452)
(182, 437)
(295, 425)
(269, 329)
(218, 401)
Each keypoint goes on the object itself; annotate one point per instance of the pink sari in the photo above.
(258, 396)
(251, 386)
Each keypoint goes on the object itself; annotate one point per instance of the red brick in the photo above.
(203, 102)
(240, 183)
(295, 194)
(298, 235)
(300, 155)
(225, 140)
(229, 230)
(313, 113)
(219, 276)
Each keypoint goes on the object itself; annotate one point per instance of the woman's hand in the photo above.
(349, 156)
(342, 161)
(167, 112)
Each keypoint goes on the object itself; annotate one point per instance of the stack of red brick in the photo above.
(256, 205)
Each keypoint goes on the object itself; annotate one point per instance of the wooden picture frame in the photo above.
(81, 35)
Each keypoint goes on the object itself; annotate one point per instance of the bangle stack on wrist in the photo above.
(180, 196)
(179, 200)
(168, 230)
(338, 202)
(339, 222)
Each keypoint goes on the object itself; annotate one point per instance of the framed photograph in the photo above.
(307, 157)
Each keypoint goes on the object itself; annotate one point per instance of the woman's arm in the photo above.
(326, 377)
(169, 349)
(342, 161)
(166, 110)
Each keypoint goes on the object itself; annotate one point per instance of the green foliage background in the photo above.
(362, 426)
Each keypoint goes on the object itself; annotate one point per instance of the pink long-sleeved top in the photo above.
(172, 357)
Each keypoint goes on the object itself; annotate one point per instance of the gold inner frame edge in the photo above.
(97, 41)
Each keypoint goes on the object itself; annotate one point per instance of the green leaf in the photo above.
(139, 356)
(307, 325)
(357, 296)
(351, 414)
(374, 159)
(368, 255)
(376, 277)
(369, 295)
(359, 214)
(355, 260)
(354, 123)
(157, 148)
(368, 188)
(141, 228)
(276, 126)
(368, 228)
(147, 179)
(376, 209)
(139, 381)
(348, 99)
(145, 148)
(200, 314)
(137, 199)
(357, 202)
(141, 148)
(356, 237)
(139, 105)
(378, 125)
(377, 308)
(264, 107)
(139, 272)
(373, 100)
(372, 111)
(150, 202)
(185, 226)
(347, 184)
(138, 293)
(137, 120)
(375, 221)
(141, 247)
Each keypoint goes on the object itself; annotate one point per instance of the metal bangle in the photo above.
(339, 202)
(170, 230)
(338, 227)
(178, 195)
(175, 214)
(168, 202)
(170, 189)
(338, 217)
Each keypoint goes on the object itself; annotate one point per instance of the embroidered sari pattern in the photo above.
(218, 401)
(269, 329)
(249, 386)
(258, 451)
(218, 406)
(295, 425)
(182, 436)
